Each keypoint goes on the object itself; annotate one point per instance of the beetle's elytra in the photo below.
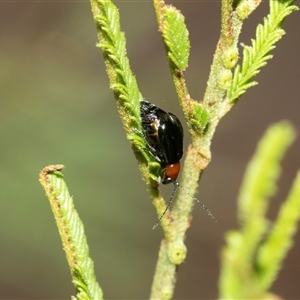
(164, 135)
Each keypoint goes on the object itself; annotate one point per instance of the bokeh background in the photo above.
(56, 107)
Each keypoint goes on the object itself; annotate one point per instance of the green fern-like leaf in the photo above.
(113, 44)
(72, 234)
(122, 80)
(256, 56)
(200, 117)
(176, 37)
(263, 171)
(280, 240)
(239, 278)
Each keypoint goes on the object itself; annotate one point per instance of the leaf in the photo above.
(72, 234)
(256, 55)
(176, 37)
(280, 240)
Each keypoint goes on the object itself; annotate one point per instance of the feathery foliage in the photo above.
(257, 55)
(176, 37)
(280, 240)
(122, 81)
(249, 264)
(72, 234)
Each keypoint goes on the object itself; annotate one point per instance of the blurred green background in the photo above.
(56, 107)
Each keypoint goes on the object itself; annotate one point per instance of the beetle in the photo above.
(163, 133)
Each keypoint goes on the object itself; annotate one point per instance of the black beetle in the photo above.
(164, 135)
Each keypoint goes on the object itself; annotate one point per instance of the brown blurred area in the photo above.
(56, 107)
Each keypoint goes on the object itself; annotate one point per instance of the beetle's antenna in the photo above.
(200, 203)
(176, 185)
(168, 206)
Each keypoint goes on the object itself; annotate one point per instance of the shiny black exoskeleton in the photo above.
(164, 135)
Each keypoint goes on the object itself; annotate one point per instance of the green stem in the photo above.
(198, 154)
